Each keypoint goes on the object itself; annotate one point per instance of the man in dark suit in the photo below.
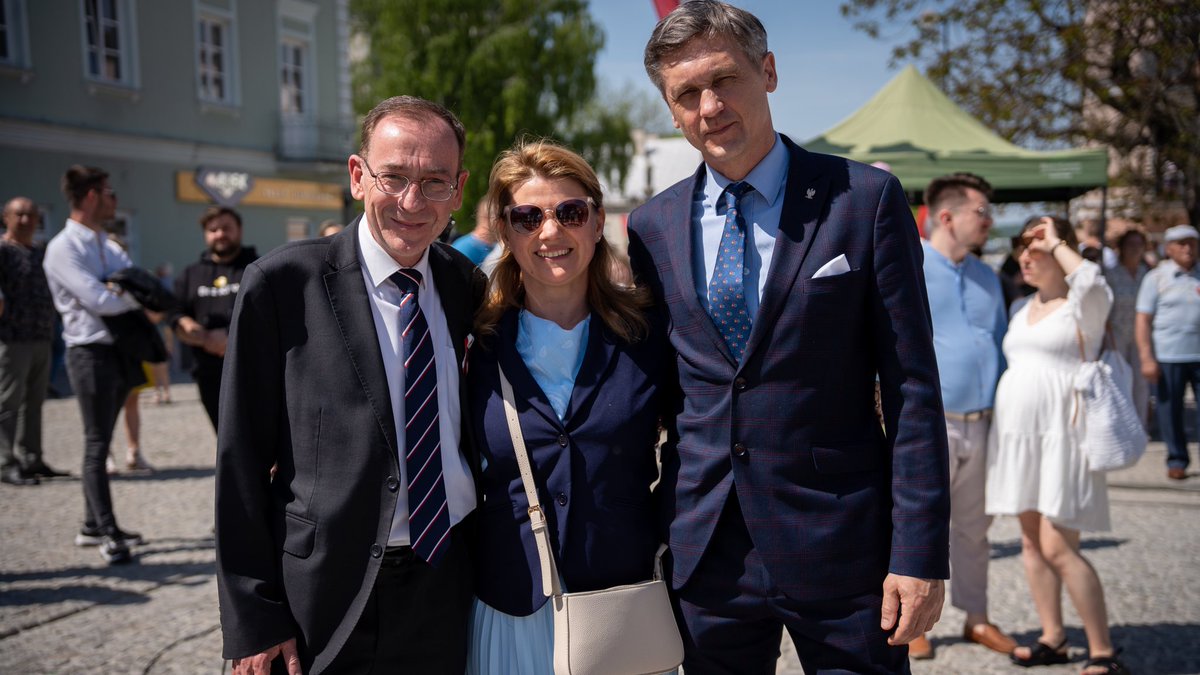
(793, 282)
(343, 370)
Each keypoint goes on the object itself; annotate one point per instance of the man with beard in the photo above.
(206, 291)
(969, 322)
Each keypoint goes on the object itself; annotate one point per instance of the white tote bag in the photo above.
(1113, 437)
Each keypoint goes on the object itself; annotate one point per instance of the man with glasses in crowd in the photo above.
(26, 330)
(969, 322)
(343, 370)
(79, 260)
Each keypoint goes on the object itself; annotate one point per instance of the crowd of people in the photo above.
(817, 411)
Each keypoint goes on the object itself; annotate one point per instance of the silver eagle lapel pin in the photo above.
(810, 193)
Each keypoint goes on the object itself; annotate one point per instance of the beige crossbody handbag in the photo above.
(623, 630)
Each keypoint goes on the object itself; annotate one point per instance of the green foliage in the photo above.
(1123, 73)
(507, 68)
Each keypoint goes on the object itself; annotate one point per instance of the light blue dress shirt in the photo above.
(969, 322)
(761, 208)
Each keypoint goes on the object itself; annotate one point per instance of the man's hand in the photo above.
(190, 332)
(1150, 370)
(917, 603)
(260, 664)
(215, 340)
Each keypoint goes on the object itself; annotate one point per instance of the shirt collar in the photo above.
(766, 177)
(937, 256)
(379, 265)
(78, 229)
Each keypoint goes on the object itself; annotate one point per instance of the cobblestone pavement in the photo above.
(63, 610)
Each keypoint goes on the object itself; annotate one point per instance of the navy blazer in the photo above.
(304, 388)
(831, 502)
(593, 470)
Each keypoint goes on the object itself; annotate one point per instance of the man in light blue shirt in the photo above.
(1168, 338)
(78, 260)
(969, 321)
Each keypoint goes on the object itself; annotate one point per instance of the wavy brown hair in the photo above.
(621, 308)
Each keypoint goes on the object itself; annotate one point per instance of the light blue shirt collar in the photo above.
(766, 177)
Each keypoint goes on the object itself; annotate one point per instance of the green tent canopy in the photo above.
(921, 134)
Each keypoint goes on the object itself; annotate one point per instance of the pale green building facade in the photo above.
(255, 93)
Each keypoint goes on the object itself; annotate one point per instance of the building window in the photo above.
(216, 53)
(293, 78)
(109, 41)
(14, 34)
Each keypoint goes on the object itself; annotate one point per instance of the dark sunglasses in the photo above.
(527, 218)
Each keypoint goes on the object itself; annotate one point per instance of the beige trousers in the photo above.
(969, 549)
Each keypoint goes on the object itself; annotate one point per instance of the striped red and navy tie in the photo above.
(428, 514)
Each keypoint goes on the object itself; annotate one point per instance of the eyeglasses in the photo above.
(394, 184)
(527, 218)
(983, 212)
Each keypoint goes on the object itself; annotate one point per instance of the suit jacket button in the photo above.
(562, 499)
(739, 449)
(562, 440)
(376, 550)
(392, 484)
(740, 384)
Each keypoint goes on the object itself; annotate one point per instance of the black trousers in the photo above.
(415, 620)
(100, 385)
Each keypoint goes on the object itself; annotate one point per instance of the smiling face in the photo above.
(554, 260)
(718, 98)
(421, 148)
(223, 235)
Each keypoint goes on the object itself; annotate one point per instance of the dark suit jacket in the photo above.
(304, 387)
(831, 502)
(593, 469)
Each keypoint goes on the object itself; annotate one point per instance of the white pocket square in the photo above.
(833, 268)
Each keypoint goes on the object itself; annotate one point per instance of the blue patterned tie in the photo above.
(428, 514)
(726, 293)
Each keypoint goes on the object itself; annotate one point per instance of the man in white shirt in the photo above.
(78, 261)
(338, 563)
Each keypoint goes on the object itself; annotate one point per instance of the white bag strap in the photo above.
(537, 519)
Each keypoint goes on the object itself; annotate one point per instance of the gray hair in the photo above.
(703, 18)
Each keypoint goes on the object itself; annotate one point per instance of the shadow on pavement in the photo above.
(1006, 549)
(172, 473)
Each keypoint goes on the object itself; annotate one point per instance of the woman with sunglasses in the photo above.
(586, 361)
(1036, 468)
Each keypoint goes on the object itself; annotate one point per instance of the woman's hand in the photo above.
(1042, 237)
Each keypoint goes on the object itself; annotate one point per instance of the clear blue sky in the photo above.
(827, 69)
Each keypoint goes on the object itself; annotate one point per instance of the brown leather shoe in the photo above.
(920, 649)
(1177, 474)
(989, 636)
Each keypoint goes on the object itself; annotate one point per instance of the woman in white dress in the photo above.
(1036, 468)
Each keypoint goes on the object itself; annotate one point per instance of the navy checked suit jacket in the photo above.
(831, 501)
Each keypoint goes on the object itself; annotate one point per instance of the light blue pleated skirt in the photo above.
(503, 644)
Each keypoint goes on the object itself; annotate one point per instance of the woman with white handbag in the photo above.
(1037, 467)
(566, 385)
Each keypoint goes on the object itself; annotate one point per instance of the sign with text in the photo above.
(226, 188)
(278, 192)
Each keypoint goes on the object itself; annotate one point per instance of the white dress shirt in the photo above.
(77, 262)
(377, 268)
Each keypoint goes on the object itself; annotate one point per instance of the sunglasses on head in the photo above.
(527, 218)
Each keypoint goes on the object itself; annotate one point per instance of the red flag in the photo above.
(664, 7)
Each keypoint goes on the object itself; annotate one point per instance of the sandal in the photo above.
(1111, 664)
(1042, 654)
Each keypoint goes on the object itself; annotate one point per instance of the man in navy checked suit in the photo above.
(786, 503)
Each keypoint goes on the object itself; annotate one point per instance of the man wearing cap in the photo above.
(1168, 338)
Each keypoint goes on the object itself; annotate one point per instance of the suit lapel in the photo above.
(807, 192)
(681, 250)
(597, 363)
(352, 308)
